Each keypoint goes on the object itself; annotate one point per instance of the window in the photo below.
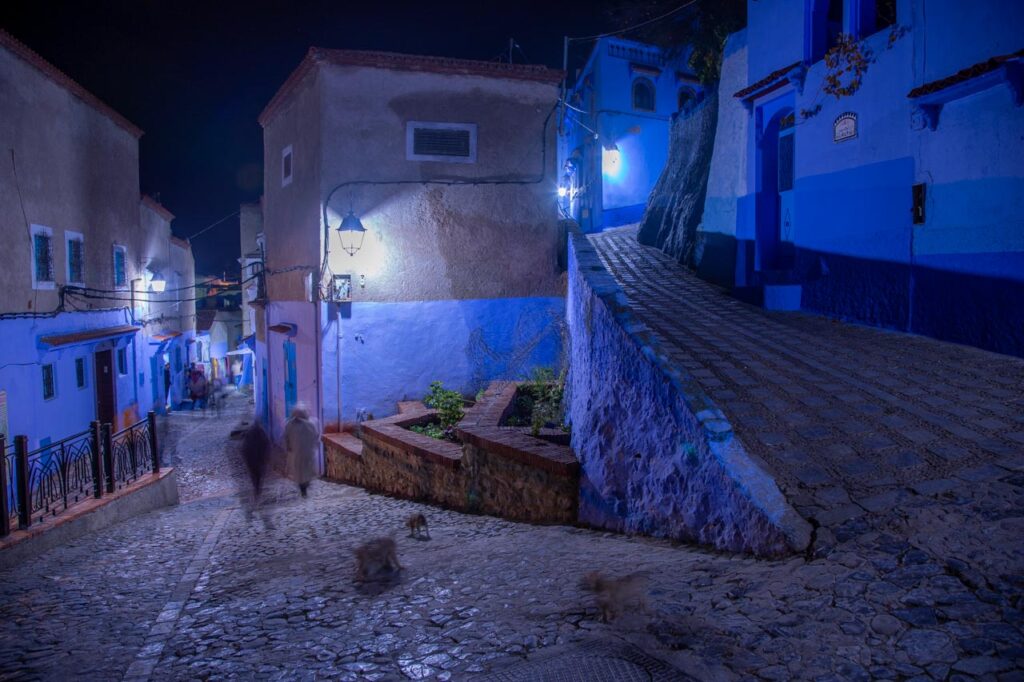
(445, 142)
(286, 166)
(42, 257)
(874, 15)
(120, 267)
(49, 386)
(825, 23)
(122, 361)
(76, 257)
(80, 372)
(643, 95)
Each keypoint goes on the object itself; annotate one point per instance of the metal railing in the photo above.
(52, 478)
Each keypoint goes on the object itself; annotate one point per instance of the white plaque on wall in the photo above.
(844, 127)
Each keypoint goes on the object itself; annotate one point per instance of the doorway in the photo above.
(106, 387)
(774, 196)
(290, 379)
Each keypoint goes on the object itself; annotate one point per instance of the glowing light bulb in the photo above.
(562, 191)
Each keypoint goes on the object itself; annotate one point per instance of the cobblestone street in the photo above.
(928, 590)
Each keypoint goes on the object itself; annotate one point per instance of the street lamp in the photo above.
(347, 231)
(158, 283)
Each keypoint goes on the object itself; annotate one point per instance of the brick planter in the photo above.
(503, 471)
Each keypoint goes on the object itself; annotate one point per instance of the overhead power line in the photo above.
(628, 29)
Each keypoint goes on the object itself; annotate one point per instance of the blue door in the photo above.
(290, 378)
(265, 391)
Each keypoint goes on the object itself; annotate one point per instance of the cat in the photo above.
(615, 594)
(417, 524)
(376, 559)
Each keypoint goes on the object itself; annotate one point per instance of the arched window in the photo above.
(685, 99)
(643, 95)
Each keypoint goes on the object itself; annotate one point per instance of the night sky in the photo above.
(195, 75)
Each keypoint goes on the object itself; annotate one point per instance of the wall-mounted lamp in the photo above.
(158, 283)
(563, 189)
(350, 227)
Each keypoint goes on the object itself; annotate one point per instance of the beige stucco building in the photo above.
(79, 316)
(449, 165)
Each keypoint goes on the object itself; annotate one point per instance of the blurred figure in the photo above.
(198, 387)
(167, 385)
(302, 439)
(217, 395)
(256, 455)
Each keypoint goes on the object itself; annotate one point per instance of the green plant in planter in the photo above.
(448, 405)
(547, 392)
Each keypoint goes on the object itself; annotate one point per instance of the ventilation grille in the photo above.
(440, 142)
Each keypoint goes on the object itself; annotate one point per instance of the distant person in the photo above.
(302, 439)
(217, 394)
(167, 385)
(198, 387)
(256, 455)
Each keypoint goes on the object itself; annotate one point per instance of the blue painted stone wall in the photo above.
(386, 352)
(657, 457)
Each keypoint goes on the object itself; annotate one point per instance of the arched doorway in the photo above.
(776, 166)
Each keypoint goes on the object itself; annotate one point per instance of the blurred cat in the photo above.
(615, 594)
(377, 559)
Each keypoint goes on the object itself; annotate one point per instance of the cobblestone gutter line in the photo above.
(161, 630)
(658, 455)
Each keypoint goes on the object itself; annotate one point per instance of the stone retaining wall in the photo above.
(657, 456)
(498, 470)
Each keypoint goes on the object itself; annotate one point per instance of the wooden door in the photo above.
(106, 387)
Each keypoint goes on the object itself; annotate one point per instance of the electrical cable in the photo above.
(636, 26)
(213, 225)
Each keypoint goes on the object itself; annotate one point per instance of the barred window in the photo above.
(42, 257)
(122, 361)
(76, 258)
(49, 384)
(120, 266)
(80, 372)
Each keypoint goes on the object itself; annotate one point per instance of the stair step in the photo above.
(347, 443)
(782, 296)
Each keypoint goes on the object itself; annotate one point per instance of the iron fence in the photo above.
(50, 479)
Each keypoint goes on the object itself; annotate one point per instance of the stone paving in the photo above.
(928, 590)
(850, 419)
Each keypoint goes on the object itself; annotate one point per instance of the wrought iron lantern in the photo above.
(158, 283)
(350, 227)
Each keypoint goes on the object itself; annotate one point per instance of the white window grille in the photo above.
(42, 257)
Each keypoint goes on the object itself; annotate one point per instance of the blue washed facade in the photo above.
(393, 351)
(613, 141)
(900, 205)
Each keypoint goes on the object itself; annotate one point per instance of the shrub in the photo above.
(448, 405)
(547, 392)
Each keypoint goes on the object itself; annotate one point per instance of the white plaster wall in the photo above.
(727, 179)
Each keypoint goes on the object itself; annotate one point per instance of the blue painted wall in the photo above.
(612, 177)
(72, 408)
(855, 249)
(392, 351)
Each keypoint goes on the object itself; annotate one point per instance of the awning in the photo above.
(285, 328)
(88, 336)
(239, 351)
(161, 339)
